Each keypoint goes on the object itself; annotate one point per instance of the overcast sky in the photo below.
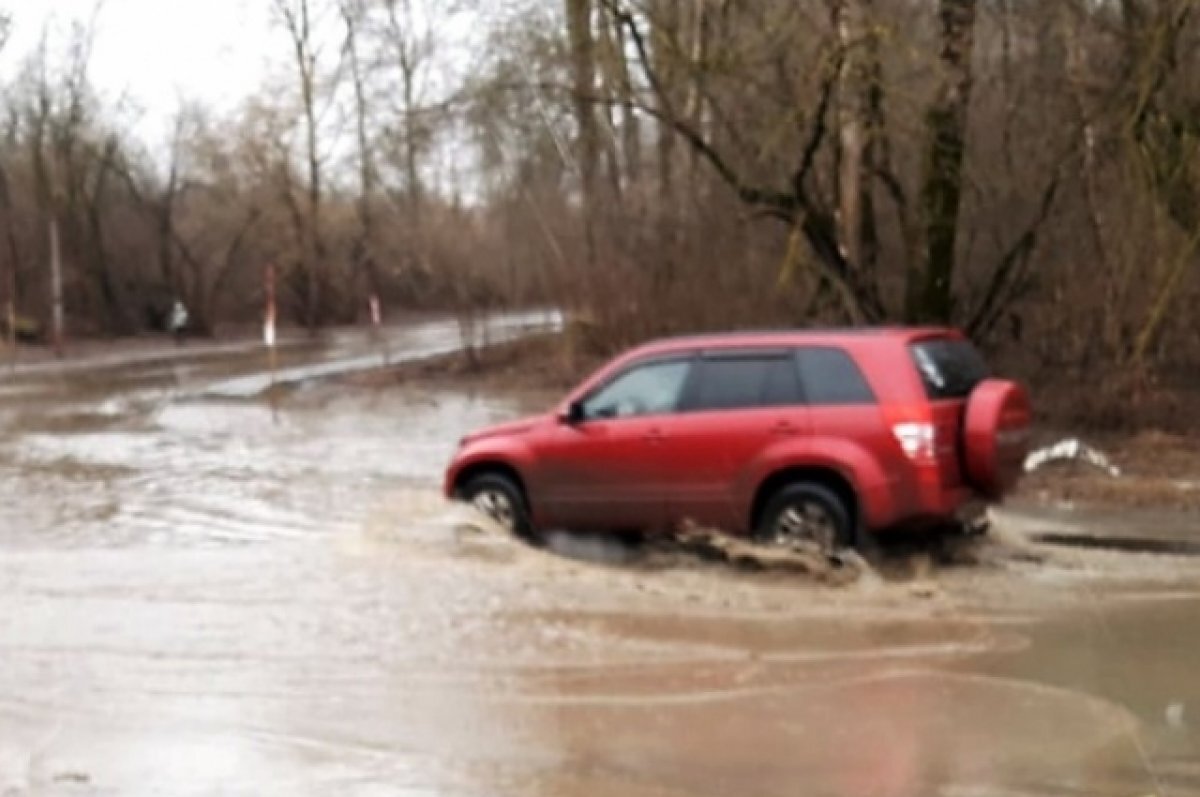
(153, 52)
(152, 55)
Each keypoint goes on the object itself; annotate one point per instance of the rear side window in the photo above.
(783, 384)
(831, 377)
(727, 383)
(949, 368)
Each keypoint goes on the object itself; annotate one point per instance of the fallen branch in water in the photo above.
(1071, 450)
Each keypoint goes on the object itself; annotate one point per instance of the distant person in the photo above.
(178, 321)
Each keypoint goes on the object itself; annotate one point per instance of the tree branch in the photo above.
(1011, 263)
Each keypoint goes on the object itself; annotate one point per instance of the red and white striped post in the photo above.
(57, 316)
(377, 324)
(376, 313)
(269, 317)
(10, 311)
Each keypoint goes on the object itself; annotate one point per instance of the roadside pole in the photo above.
(10, 312)
(269, 335)
(56, 288)
(377, 326)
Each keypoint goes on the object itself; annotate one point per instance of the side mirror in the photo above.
(573, 415)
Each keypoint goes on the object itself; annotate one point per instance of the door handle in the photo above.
(654, 436)
(785, 427)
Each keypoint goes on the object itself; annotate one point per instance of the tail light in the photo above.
(916, 433)
(918, 440)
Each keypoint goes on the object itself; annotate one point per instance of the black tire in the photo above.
(804, 515)
(499, 497)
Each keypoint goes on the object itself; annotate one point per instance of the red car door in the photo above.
(603, 469)
(738, 404)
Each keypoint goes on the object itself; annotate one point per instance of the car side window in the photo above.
(649, 389)
(831, 377)
(727, 383)
(783, 384)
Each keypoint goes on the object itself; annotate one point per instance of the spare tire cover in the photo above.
(997, 428)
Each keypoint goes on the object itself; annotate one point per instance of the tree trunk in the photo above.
(317, 245)
(106, 281)
(364, 245)
(165, 213)
(406, 45)
(583, 78)
(631, 135)
(696, 105)
(663, 61)
(849, 24)
(412, 144)
(56, 289)
(1163, 137)
(931, 297)
(14, 258)
(663, 64)
(297, 16)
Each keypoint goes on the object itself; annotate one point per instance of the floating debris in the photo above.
(1071, 450)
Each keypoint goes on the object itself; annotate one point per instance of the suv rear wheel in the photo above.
(806, 516)
(498, 497)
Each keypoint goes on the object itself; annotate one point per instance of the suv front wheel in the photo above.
(498, 497)
(806, 516)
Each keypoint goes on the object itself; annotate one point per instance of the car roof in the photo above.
(832, 336)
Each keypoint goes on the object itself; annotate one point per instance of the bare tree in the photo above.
(583, 76)
(298, 18)
(409, 44)
(1165, 138)
(12, 252)
(353, 15)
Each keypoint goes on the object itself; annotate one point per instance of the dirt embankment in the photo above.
(530, 367)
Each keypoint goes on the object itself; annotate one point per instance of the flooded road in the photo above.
(211, 588)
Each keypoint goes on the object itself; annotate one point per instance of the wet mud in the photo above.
(265, 594)
(1128, 544)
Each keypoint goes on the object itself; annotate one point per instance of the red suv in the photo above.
(801, 438)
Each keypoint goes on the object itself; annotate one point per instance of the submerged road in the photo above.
(207, 591)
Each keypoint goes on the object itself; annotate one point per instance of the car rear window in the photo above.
(949, 368)
(830, 377)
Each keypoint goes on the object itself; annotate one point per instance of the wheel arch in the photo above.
(491, 465)
(826, 476)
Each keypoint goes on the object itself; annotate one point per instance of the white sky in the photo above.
(156, 52)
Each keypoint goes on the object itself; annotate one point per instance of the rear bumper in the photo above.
(932, 505)
(972, 514)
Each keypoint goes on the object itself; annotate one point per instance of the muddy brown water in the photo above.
(249, 596)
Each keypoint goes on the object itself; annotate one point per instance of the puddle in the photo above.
(600, 549)
(424, 342)
(201, 592)
(121, 454)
